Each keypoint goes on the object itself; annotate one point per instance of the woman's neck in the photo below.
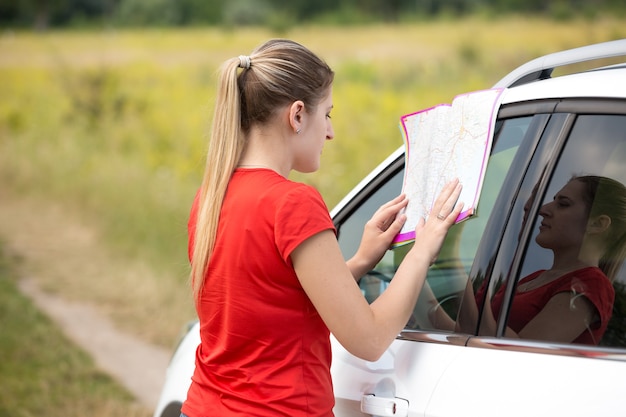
(265, 152)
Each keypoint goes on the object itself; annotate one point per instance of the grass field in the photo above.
(111, 125)
(42, 373)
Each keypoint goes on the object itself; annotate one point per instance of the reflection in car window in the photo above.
(576, 297)
(447, 278)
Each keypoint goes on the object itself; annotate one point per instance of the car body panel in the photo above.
(528, 384)
(178, 374)
(392, 376)
(482, 381)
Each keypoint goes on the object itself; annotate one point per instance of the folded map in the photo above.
(442, 143)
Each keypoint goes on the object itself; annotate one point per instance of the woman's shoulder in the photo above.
(586, 279)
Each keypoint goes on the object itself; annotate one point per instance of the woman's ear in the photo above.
(598, 224)
(296, 111)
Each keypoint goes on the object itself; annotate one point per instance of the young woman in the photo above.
(268, 276)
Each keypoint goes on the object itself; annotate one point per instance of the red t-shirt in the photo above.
(589, 282)
(264, 349)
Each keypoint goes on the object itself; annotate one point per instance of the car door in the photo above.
(538, 377)
(439, 368)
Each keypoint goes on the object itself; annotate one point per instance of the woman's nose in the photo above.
(544, 210)
(330, 133)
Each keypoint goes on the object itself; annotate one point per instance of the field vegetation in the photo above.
(111, 125)
(42, 373)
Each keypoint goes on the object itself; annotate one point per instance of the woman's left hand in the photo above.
(380, 231)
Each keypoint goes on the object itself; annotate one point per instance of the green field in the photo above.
(111, 126)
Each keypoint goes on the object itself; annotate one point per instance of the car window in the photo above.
(559, 295)
(447, 278)
(350, 228)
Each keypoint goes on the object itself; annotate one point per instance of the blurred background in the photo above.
(104, 112)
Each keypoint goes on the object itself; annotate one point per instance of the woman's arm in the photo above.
(367, 330)
(563, 319)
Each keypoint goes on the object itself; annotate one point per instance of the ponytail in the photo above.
(225, 148)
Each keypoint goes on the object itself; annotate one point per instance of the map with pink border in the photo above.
(442, 143)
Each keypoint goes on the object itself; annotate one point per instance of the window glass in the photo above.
(351, 229)
(447, 278)
(571, 286)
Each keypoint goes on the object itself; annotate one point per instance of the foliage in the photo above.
(246, 12)
(167, 12)
(43, 373)
(149, 12)
(272, 13)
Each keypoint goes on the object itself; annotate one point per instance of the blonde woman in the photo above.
(268, 276)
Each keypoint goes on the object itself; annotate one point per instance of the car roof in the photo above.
(532, 81)
(542, 67)
(607, 82)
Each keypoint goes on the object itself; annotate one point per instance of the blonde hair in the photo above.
(607, 196)
(280, 72)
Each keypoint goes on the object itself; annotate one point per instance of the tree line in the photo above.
(43, 14)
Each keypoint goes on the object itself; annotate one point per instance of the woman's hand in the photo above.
(378, 234)
(430, 233)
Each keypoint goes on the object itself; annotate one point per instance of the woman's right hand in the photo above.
(430, 233)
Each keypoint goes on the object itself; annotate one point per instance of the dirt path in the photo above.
(138, 366)
(25, 229)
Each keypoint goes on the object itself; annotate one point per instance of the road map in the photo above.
(442, 143)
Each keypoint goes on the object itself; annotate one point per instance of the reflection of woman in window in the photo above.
(585, 228)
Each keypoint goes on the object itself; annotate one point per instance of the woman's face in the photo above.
(314, 133)
(564, 218)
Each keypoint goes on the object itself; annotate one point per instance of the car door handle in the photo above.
(383, 406)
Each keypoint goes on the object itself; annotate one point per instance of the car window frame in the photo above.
(540, 168)
(491, 240)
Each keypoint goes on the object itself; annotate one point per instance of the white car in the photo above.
(547, 129)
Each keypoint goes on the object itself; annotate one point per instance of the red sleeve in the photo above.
(300, 214)
(596, 287)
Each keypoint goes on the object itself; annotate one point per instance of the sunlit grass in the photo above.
(113, 123)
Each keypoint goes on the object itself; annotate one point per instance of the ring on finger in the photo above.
(440, 217)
